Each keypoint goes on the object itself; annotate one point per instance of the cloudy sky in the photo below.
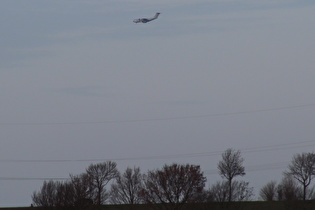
(81, 83)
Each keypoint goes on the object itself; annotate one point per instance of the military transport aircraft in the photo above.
(145, 20)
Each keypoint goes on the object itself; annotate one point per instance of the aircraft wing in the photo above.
(137, 20)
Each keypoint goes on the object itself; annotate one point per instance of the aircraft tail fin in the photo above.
(156, 15)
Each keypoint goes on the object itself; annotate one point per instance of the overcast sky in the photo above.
(81, 83)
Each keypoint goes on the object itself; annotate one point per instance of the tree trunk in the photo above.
(230, 189)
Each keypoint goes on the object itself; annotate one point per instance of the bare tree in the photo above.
(55, 193)
(219, 192)
(269, 191)
(65, 194)
(288, 189)
(46, 196)
(302, 168)
(77, 192)
(231, 166)
(82, 190)
(127, 188)
(174, 185)
(100, 174)
(241, 191)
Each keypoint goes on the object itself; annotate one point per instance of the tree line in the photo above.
(296, 181)
(173, 185)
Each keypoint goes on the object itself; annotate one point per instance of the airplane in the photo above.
(145, 20)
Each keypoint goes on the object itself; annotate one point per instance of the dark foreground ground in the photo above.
(254, 205)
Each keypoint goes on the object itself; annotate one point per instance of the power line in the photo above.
(269, 166)
(32, 179)
(159, 119)
(253, 168)
(279, 146)
(275, 147)
(250, 168)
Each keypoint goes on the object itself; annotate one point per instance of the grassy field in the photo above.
(254, 205)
